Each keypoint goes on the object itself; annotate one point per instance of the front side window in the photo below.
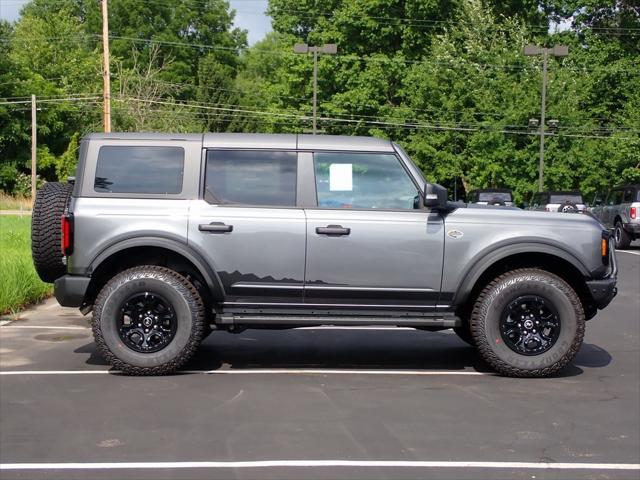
(251, 177)
(139, 169)
(363, 180)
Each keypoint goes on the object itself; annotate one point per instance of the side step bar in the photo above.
(436, 320)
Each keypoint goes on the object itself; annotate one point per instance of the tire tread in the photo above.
(196, 306)
(478, 327)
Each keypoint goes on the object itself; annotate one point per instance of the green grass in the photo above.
(19, 282)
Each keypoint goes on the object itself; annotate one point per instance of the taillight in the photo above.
(632, 213)
(66, 234)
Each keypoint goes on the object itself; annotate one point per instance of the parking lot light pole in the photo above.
(556, 51)
(328, 48)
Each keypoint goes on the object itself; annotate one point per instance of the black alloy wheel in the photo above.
(147, 323)
(530, 325)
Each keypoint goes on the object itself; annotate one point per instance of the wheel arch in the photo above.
(544, 257)
(152, 251)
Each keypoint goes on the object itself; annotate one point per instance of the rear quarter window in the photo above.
(139, 169)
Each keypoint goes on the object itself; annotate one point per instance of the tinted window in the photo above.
(251, 177)
(628, 196)
(495, 197)
(363, 180)
(129, 169)
(569, 198)
(615, 197)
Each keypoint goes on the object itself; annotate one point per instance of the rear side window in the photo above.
(628, 196)
(566, 198)
(265, 178)
(139, 169)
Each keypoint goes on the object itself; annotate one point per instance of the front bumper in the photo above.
(604, 290)
(69, 290)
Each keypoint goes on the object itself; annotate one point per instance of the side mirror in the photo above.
(435, 196)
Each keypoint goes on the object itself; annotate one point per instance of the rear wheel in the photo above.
(621, 237)
(528, 323)
(148, 320)
(50, 204)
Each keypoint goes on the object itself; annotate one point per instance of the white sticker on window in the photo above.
(341, 177)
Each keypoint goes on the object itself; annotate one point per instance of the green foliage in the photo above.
(19, 282)
(446, 79)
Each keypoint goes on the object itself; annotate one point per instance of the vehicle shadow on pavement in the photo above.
(345, 349)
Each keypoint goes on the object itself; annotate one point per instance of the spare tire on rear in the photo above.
(51, 202)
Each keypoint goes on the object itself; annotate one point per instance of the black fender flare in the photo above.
(175, 245)
(490, 256)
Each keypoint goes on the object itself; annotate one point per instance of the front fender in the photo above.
(493, 254)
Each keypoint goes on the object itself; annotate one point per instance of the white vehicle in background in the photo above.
(491, 196)
(563, 202)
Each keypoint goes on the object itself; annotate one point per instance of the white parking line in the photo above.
(628, 251)
(320, 463)
(45, 327)
(263, 371)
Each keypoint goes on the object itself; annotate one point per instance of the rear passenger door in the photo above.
(369, 243)
(248, 226)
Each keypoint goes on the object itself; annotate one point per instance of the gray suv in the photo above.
(620, 212)
(166, 238)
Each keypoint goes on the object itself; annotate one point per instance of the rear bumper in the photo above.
(632, 228)
(69, 290)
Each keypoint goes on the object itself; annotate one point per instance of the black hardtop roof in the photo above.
(635, 186)
(561, 192)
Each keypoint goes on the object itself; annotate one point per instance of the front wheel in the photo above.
(148, 320)
(528, 323)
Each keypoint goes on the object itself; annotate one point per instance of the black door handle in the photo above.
(334, 230)
(215, 227)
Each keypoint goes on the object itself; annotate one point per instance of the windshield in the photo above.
(494, 197)
(565, 198)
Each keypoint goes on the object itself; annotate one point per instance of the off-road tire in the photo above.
(51, 202)
(568, 207)
(621, 237)
(488, 309)
(182, 296)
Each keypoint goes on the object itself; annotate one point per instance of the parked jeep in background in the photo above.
(168, 237)
(621, 213)
(491, 196)
(563, 202)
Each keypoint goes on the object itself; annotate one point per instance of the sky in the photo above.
(249, 15)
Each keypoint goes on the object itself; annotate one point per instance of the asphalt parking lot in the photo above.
(320, 403)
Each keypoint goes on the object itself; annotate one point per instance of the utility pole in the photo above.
(106, 73)
(557, 51)
(329, 48)
(34, 132)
